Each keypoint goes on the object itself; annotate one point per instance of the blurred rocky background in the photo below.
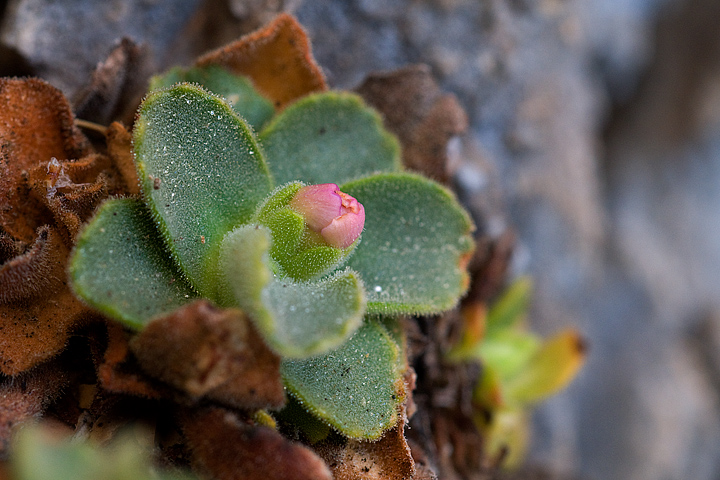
(595, 136)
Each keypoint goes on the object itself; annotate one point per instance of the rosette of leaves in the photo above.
(217, 174)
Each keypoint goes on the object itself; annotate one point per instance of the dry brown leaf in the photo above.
(115, 82)
(226, 447)
(277, 58)
(117, 372)
(423, 118)
(386, 459)
(213, 353)
(25, 397)
(38, 311)
(36, 124)
(33, 273)
(33, 332)
(41, 208)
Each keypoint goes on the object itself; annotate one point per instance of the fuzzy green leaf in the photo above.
(202, 173)
(297, 319)
(415, 242)
(120, 267)
(328, 137)
(357, 388)
(236, 90)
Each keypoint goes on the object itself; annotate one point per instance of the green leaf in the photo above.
(415, 242)
(120, 267)
(202, 173)
(550, 370)
(39, 455)
(237, 91)
(297, 319)
(511, 307)
(357, 388)
(508, 351)
(329, 137)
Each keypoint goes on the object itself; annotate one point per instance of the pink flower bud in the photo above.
(337, 216)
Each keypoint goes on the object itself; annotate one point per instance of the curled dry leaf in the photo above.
(386, 459)
(420, 114)
(26, 396)
(114, 85)
(276, 58)
(228, 448)
(117, 372)
(41, 268)
(208, 352)
(36, 124)
(50, 183)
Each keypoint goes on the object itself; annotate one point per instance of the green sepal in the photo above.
(120, 267)
(287, 229)
(279, 198)
(202, 174)
(329, 137)
(415, 244)
(315, 262)
(297, 319)
(298, 252)
(357, 389)
(237, 91)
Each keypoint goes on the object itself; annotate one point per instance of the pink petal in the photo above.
(344, 230)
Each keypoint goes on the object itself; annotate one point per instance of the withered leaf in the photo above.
(228, 448)
(114, 85)
(117, 372)
(32, 332)
(208, 352)
(423, 118)
(35, 272)
(25, 397)
(277, 58)
(386, 459)
(36, 124)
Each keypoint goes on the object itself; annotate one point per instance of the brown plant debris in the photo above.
(277, 58)
(416, 110)
(28, 275)
(114, 85)
(36, 125)
(117, 372)
(443, 427)
(227, 447)
(50, 183)
(208, 352)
